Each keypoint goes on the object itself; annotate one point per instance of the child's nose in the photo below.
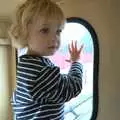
(54, 37)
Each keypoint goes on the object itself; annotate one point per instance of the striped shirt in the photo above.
(41, 90)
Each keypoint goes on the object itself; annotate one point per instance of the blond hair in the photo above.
(25, 14)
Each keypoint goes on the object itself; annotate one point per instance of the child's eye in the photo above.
(44, 30)
(59, 31)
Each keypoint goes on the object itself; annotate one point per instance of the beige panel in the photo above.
(6, 70)
(7, 78)
(4, 87)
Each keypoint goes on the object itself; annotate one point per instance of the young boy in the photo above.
(41, 90)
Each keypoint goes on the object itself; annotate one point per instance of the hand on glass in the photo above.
(74, 52)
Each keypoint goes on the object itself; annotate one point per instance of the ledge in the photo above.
(4, 42)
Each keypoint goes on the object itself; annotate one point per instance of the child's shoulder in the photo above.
(37, 60)
(29, 57)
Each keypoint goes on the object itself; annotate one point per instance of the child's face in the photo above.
(44, 37)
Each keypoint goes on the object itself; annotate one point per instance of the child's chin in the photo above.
(51, 53)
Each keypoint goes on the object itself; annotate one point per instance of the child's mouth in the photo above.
(52, 47)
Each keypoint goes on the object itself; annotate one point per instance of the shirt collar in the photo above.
(43, 60)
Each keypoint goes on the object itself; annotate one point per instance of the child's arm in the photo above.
(68, 86)
(57, 87)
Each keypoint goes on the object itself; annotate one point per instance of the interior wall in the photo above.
(7, 71)
(104, 16)
(5, 82)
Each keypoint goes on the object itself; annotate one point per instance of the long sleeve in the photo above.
(56, 87)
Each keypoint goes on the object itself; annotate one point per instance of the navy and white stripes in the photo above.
(41, 90)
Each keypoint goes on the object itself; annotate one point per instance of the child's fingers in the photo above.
(79, 51)
(72, 46)
(69, 49)
(74, 51)
(76, 45)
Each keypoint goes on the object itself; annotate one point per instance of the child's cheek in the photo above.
(58, 44)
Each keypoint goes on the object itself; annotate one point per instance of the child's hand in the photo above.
(74, 52)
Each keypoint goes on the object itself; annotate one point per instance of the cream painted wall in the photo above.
(104, 16)
(7, 71)
(5, 81)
